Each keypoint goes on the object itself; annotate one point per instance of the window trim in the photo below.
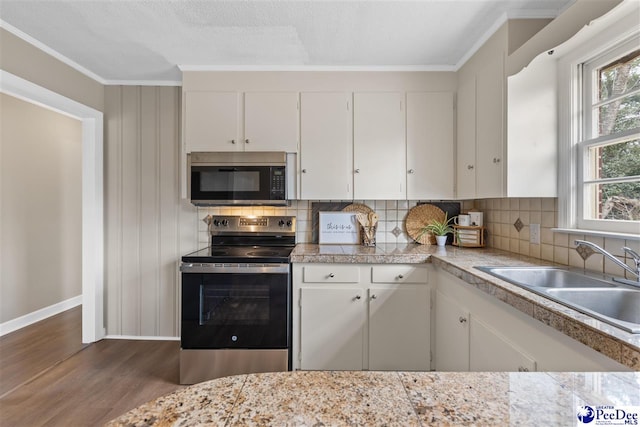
(594, 41)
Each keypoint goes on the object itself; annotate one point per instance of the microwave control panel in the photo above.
(278, 182)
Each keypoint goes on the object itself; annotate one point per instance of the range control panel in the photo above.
(220, 224)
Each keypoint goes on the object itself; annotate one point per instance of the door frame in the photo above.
(92, 193)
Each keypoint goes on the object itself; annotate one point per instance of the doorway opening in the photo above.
(92, 194)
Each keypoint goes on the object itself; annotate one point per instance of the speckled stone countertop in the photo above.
(388, 398)
(613, 342)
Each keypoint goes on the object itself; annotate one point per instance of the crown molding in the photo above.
(376, 68)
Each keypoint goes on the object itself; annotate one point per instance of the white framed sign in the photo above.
(338, 228)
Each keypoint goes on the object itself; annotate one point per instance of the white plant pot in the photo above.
(441, 240)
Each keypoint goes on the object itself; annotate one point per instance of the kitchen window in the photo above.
(599, 129)
(608, 190)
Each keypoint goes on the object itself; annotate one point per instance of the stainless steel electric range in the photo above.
(236, 299)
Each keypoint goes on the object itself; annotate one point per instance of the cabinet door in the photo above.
(379, 146)
(490, 128)
(466, 147)
(332, 323)
(211, 121)
(271, 121)
(399, 328)
(429, 145)
(452, 335)
(490, 352)
(326, 147)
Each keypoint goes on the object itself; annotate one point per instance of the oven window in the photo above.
(229, 180)
(234, 305)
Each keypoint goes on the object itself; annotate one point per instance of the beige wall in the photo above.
(145, 217)
(30, 63)
(40, 208)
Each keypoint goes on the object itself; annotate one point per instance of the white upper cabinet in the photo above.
(326, 148)
(379, 146)
(466, 147)
(211, 121)
(508, 123)
(532, 129)
(271, 121)
(490, 127)
(430, 145)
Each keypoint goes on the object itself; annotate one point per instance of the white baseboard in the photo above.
(140, 338)
(38, 315)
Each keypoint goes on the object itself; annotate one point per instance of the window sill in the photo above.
(605, 234)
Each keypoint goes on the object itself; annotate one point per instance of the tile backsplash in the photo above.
(500, 215)
(392, 214)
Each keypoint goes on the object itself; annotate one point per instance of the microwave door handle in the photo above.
(228, 169)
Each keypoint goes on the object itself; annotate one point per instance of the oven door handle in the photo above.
(274, 268)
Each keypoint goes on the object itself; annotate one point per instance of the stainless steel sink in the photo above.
(621, 304)
(613, 303)
(545, 277)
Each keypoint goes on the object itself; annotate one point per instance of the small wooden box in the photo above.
(468, 237)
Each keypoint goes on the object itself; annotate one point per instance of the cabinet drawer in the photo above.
(398, 274)
(331, 274)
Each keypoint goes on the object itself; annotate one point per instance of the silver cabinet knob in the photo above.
(496, 160)
(522, 369)
(411, 171)
(462, 319)
(304, 171)
(400, 276)
(357, 171)
(469, 167)
(332, 275)
(233, 141)
(357, 297)
(246, 141)
(374, 296)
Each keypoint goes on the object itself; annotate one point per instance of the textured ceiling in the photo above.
(139, 40)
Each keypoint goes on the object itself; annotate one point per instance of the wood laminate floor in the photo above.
(47, 377)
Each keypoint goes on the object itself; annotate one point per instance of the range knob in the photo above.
(289, 223)
(224, 222)
(216, 222)
(281, 223)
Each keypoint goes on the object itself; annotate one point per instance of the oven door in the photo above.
(237, 185)
(236, 306)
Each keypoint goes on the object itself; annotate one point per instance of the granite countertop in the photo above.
(613, 342)
(389, 398)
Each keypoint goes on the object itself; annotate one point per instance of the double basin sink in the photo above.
(613, 303)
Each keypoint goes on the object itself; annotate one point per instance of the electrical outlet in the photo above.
(534, 234)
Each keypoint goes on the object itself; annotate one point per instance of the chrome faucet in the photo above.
(634, 255)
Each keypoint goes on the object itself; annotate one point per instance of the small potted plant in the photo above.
(440, 229)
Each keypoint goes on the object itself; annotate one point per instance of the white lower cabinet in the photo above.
(382, 322)
(466, 343)
(491, 352)
(399, 328)
(474, 331)
(332, 323)
(452, 335)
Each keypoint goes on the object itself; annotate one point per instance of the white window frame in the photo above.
(598, 39)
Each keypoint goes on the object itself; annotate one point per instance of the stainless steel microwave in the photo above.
(238, 178)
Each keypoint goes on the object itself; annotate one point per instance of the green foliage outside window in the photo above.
(620, 200)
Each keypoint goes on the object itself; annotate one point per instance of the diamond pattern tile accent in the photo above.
(584, 251)
(396, 231)
(518, 225)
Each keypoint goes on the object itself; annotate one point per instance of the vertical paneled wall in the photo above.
(143, 210)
